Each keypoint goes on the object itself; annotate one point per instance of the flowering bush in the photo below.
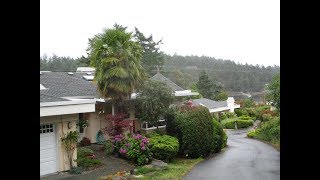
(118, 141)
(135, 148)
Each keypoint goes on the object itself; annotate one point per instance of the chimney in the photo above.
(230, 103)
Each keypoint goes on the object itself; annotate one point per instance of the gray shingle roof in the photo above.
(46, 97)
(210, 104)
(172, 85)
(60, 84)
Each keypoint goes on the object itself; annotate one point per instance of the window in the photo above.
(81, 118)
(147, 126)
(47, 128)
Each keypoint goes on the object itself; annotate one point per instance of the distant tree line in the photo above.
(183, 70)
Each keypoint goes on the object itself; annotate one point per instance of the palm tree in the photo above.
(116, 58)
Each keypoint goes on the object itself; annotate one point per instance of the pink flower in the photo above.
(143, 148)
(128, 144)
(141, 144)
(123, 151)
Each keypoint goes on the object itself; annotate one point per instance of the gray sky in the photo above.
(239, 30)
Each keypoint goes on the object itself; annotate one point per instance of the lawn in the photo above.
(176, 169)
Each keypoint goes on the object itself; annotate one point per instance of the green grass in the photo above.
(176, 169)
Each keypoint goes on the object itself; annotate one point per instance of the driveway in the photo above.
(244, 158)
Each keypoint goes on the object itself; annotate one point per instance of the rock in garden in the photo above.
(158, 164)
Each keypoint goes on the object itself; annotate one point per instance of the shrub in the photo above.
(230, 123)
(87, 163)
(245, 118)
(217, 136)
(86, 158)
(270, 130)
(85, 142)
(241, 112)
(248, 103)
(84, 152)
(227, 115)
(225, 139)
(108, 147)
(252, 112)
(251, 133)
(164, 147)
(171, 127)
(194, 131)
(136, 149)
(266, 117)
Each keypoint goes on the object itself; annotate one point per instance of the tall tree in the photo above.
(154, 101)
(273, 91)
(205, 85)
(152, 56)
(116, 57)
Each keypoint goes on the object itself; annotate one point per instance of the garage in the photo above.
(48, 149)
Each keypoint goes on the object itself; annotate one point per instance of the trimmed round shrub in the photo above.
(164, 147)
(194, 131)
(245, 118)
(218, 136)
(227, 115)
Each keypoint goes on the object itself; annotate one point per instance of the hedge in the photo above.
(230, 123)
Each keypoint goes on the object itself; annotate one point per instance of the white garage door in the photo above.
(48, 155)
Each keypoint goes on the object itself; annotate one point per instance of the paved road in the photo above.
(243, 159)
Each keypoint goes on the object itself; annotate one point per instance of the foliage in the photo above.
(69, 141)
(115, 124)
(266, 117)
(218, 136)
(108, 147)
(225, 139)
(226, 115)
(86, 158)
(87, 162)
(241, 112)
(85, 141)
(273, 91)
(170, 120)
(221, 96)
(235, 77)
(268, 131)
(194, 131)
(152, 56)
(83, 123)
(205, 85)
(135, 148)
(84, 151)
(248, 103)
(116, 57)
(245, 118)
(154, 101)
(61, 64)
(75, 170)
(230, 123)
(164, 147)
(176, 169)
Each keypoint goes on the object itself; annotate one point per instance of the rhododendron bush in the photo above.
(134, 148)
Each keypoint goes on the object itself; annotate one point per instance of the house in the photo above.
(216, 107)
(64, 98)
(69, 97)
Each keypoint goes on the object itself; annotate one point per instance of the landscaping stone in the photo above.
(256, 124)
(158, 164)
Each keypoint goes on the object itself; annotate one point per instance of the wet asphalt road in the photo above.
(243, 159)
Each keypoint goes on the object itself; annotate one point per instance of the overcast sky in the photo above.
(238, 30)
